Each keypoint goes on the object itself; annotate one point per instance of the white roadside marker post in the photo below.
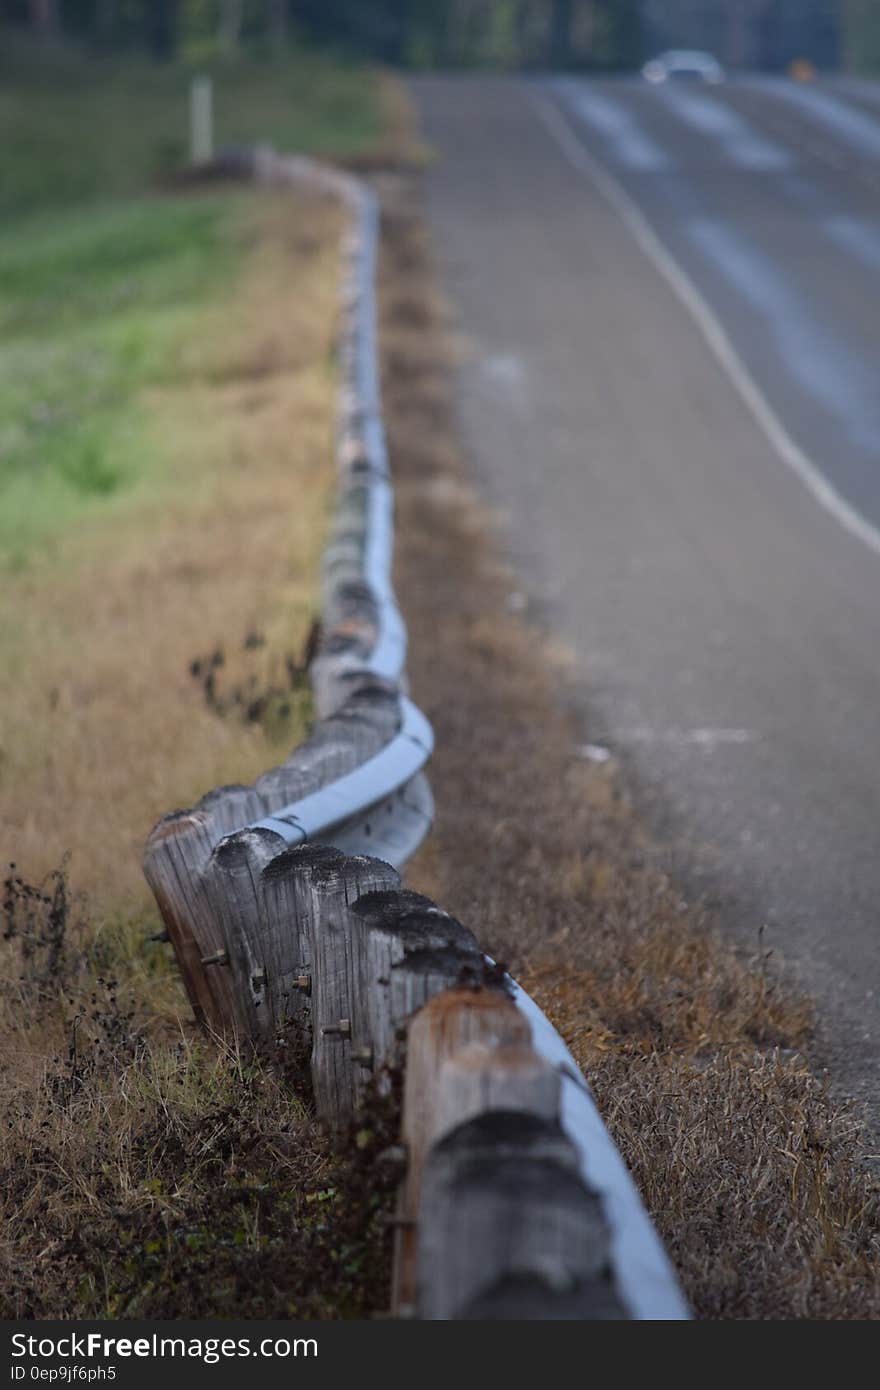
(201, 120)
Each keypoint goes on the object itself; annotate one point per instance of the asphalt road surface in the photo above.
(671, 300)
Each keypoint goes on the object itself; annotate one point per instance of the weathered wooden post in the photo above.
(494, 1219)
(275, 905)
(178, 853)
(406, 950)
(176, 856)
(507, 1229)
(342, 1048)
(377, 954)
(256, 949)
(450, 1022)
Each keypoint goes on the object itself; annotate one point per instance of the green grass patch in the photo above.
(96, 304)
(102, 277)
(74, 128)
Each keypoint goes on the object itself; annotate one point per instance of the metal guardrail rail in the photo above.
(368, 785)
(644, 1274)
(287, 914)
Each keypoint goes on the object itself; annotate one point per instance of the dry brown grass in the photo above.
(400, 143)
(103, 727)
(752, 1172)
(144, 1171)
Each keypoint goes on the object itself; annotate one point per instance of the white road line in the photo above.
(828, 371)
(857, 129)
(857, 236)
(629, 142)
(707, 738)
(738, 140)
(706, 320)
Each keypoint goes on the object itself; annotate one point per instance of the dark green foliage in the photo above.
(861, 34)
(406, 33)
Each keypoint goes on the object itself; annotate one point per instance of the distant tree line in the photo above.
(159, 26)
(766, 34)
(600, 34)
(413, 33)
(861, 35)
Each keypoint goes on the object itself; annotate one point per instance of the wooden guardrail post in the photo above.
(449, 1023)
(496, 1220)
(342, 1048)
(376, 959)
(507, 1229)
(175, 858)
(262, 953)
(273, 904)
(406, 950)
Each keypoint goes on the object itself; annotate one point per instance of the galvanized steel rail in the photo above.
(289, 920)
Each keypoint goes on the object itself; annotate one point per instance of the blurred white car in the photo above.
(683, 65)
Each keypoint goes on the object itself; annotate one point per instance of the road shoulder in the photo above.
(698, 1058)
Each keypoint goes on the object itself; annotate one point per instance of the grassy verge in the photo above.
(144, 1171)
(175, 515)
(166, 408)
(698, 1059)
(96, 306)
(204, 559)
(79, 128)
(166, 396)
(98, 278)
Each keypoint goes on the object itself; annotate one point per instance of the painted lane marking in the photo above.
(857, 236)
(815, 358)
(857, 129)
(706, 738)
(789, 451)
(739, 141)
(630, 145)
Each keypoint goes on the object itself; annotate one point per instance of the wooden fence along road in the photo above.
(285, 906)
